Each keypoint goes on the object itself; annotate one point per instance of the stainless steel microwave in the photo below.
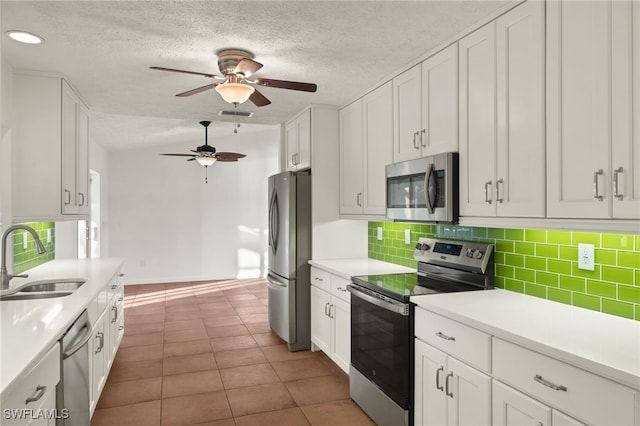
(424, 189)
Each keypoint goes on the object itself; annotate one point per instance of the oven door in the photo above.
(382, 342)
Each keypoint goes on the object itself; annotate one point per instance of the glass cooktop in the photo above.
(402, 286)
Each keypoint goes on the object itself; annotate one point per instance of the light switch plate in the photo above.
(407, 236)
(380, 233)
(586, 257)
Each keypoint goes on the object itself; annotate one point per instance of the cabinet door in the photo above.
(320, 321)
(377, 110)
(304, 140)
(351, 159)
(578, 108)
(521, 161)
(471, 400)
(82, 160)
(430, 400)
(407, 115)
(291, 144)
(625, 86)
(439, 131)
(477, 122)
(341, 318)
(512, 408)
(561, 419)
(69, 149)
(98, 345)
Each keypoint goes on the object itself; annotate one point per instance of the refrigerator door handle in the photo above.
(274, 218)
(272, 279)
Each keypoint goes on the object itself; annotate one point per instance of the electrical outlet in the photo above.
(586, 257)
(407, 236)
(380, 233)
(49, 236)
(25, 240)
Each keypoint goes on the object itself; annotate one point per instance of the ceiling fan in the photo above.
(236, 67)
(206, 155)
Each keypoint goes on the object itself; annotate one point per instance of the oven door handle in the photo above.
(388, 304)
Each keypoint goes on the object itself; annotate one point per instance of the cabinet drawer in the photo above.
(37, 384)
(320, 278)
(339, 288)
(585, 396)
(465, 343)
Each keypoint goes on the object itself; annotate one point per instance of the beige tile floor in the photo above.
(202, 353)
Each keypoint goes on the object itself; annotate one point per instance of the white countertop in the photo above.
(603, 344)
(346, 268)
(28, 328)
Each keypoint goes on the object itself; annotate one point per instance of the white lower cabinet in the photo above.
(108, 330)
(32, 400)
(447, 391)
(331, 317)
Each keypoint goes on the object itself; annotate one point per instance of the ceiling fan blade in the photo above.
(186, 72)
(259, 99)
(198, 90)
(247, 66)
(180, 155)
(228, 156)
(283, 84)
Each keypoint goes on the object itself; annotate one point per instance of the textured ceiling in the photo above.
(105, 48)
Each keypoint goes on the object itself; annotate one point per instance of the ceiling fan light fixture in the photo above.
(235, 93)
(206, 161)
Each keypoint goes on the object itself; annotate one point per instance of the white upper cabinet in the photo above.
(502, 124)
(51, 153)
(592, 96)
(298, 142)
(425, 112)
(366, 128)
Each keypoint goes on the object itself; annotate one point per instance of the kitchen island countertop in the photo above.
(603, 344)
(28, 328)
(346, 268)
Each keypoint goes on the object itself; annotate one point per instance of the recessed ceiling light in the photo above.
(25, 37)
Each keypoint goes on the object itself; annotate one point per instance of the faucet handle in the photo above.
(19, 276)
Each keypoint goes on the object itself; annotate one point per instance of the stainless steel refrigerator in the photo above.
(289, 253)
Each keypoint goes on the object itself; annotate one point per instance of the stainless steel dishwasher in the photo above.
(72, 393)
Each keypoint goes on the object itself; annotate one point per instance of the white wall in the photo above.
(99, 162)
(171, 226)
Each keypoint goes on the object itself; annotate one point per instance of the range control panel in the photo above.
(466, 255)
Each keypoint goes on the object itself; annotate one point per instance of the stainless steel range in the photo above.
(382, 323)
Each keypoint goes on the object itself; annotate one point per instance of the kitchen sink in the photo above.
(29, 296)
(43, 289)
(57, 286)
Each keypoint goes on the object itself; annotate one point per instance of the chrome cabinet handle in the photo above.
(438, 371)
(326, 306)
(82, 198)
(68, 194)
(616, 192)
(115, 312)
(40, 390)
(342, 289)
(446, 385)
(359, 199)
(445, 337)
(121, 328)
(114, 286)
(538, 378)
(486, 192)
(423, 138)
(100, 337)
(596, 192)
(318, 279)
(498, 198)
(416, 144)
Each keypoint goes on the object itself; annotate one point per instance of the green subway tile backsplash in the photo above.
(538, 262)
(27, 258)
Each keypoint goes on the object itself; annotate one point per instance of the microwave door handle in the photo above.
(428, 180)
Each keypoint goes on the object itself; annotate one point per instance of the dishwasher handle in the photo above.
(81, 341)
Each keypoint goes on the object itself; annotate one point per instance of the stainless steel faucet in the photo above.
(6, 277)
